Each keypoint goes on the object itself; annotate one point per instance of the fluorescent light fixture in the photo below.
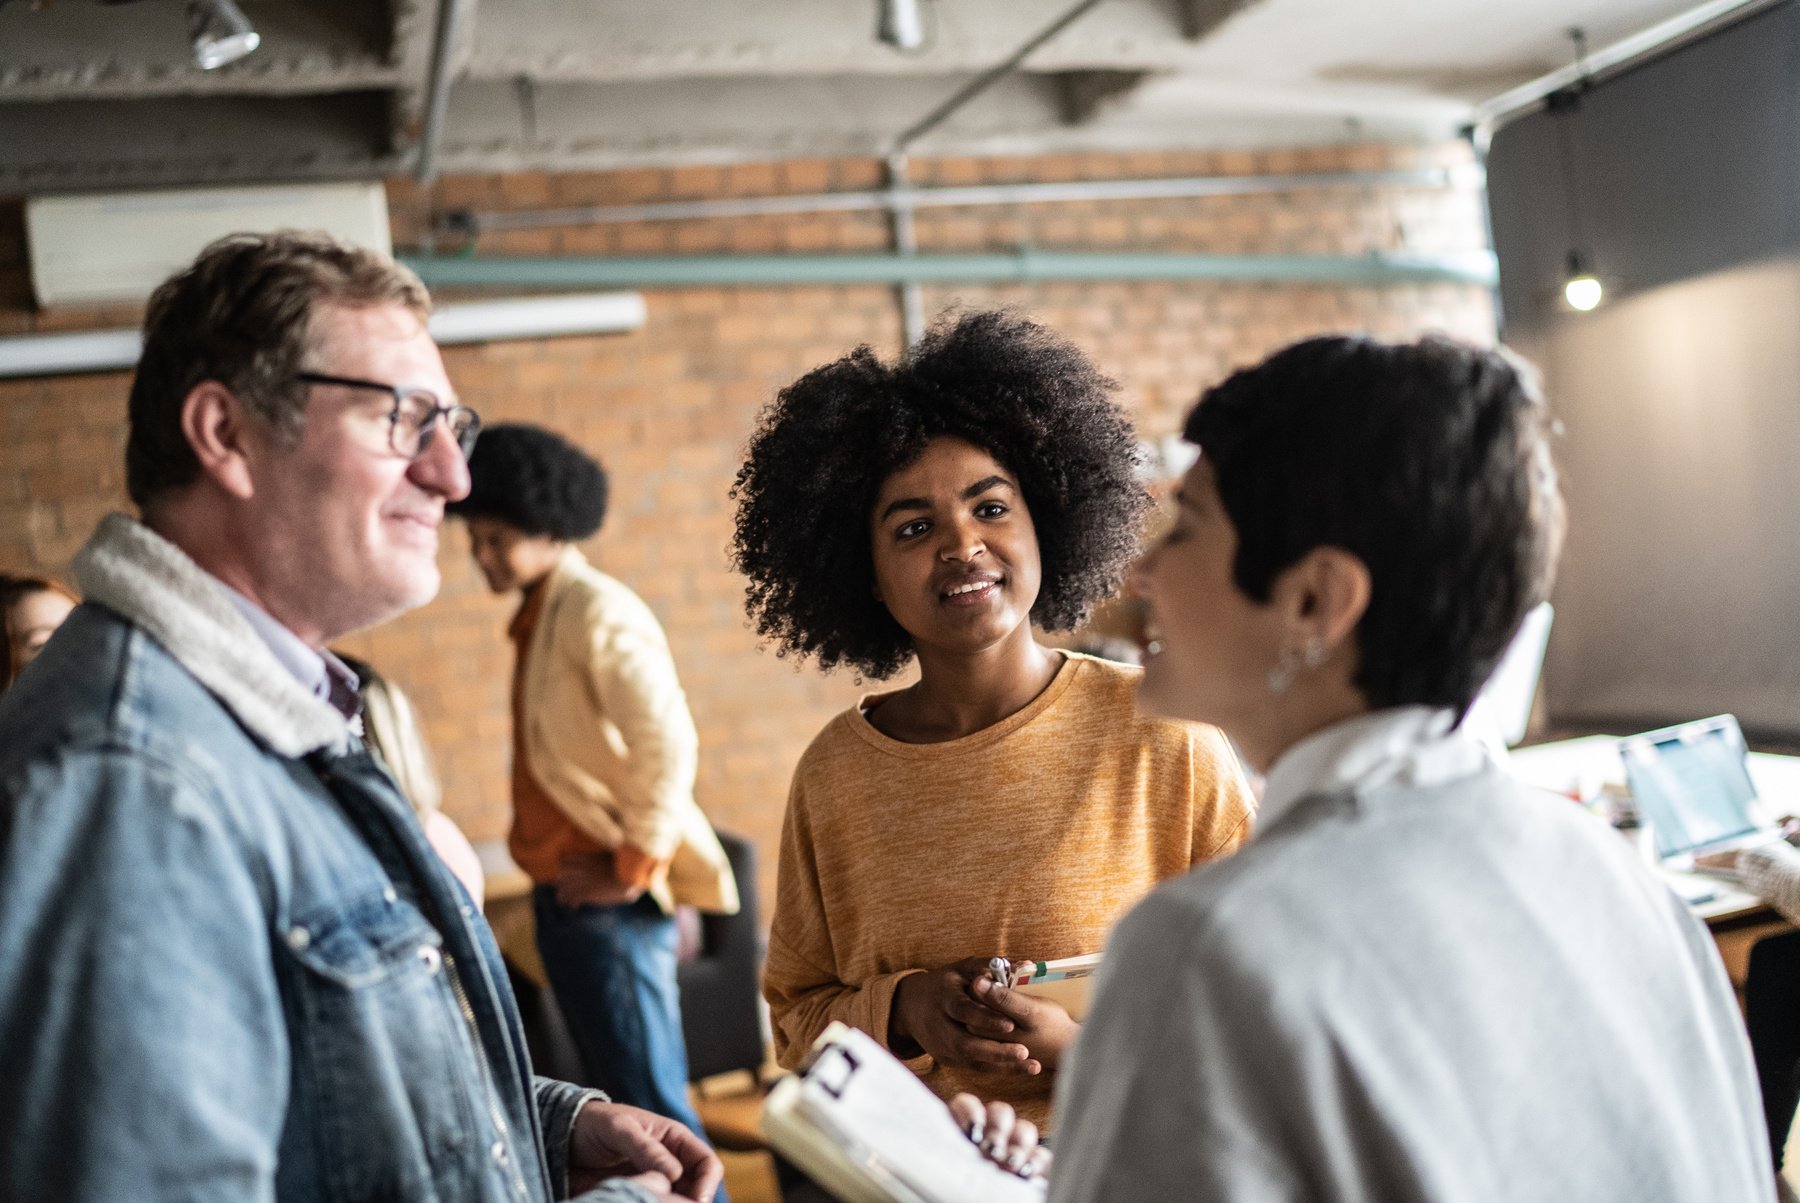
(538, 317)
(221, 33)
(59, 354)
(477, 322)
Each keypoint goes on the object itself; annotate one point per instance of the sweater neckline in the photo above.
(858, 720)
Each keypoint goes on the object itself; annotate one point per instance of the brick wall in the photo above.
(667, 408)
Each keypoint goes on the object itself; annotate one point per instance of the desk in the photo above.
(1580, 767)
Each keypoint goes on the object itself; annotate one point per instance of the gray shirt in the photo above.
(1420, 981)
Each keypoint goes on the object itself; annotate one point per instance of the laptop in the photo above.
(1692, 783)
(1501, 713)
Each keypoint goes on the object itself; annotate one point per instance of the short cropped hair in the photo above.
(1430, 462)
(242, 315)
(535, 480)
(827, 443)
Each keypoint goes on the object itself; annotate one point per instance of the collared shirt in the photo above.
(328, 677)
(1409, 745)
(1421, 981)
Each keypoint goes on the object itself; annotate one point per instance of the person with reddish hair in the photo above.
(31, 608)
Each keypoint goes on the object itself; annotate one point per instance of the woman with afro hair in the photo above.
(1010, 802)
(604, 751)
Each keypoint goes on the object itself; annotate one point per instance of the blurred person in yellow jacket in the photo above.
(604, 753)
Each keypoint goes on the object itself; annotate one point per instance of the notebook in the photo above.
(863, 1126)
(1692, 782)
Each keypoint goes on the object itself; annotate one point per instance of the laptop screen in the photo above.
(1691, 782)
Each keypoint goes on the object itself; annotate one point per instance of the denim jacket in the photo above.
(231, 967)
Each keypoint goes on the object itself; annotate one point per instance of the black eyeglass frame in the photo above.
(428, 424)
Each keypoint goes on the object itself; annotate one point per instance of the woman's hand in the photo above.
(1008, 1141)
(1039, 1024)
(934, 1012)
(1725, 861)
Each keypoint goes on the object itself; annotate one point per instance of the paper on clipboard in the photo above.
(866, 1129)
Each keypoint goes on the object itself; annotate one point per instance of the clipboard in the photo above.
(863, 1126)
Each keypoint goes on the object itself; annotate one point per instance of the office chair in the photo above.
(721, 1008)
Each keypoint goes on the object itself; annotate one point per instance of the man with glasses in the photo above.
(230, 965)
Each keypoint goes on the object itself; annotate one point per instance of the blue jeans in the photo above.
(612, 969)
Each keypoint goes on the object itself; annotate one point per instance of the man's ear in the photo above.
(216, 426)
(1323, 595)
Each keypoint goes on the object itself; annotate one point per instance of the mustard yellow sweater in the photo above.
(1025, 840)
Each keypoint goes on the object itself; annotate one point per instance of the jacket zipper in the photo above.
(487, 1086)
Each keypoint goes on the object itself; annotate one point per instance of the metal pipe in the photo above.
(451, 14)
(1665, 35)
(986, 79)
(1479, 145)
(1023, 266)
(1179, 188)
(906, 242)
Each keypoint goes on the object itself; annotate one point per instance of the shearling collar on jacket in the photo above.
(133, 571)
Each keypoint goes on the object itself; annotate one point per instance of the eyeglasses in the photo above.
(414, 419)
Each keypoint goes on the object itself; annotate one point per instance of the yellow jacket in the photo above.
(609, 737)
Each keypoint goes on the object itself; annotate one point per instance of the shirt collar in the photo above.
(319, 672)
(1412, 745)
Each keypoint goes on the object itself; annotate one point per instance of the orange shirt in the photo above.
(1028, 839)
(541, 834)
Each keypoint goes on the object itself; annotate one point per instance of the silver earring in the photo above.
(1287, 666)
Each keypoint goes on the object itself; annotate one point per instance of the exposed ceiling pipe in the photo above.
(906, 242)
(986, 80)
(452, 14)
(1022, 266)
(1696, 22)
(912, 300)
(1467, 176)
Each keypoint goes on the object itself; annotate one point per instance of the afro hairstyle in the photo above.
(535, 480)
(825, 445)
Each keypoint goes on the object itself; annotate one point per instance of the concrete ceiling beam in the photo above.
(89, 51)
(73, 145)
(563, 40)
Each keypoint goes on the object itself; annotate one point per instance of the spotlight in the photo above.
(1583, 290)
(900, 24)
(221, 33)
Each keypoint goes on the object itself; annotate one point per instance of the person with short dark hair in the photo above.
(604, 755)
(31, 608)
(1009, 802)
(231, 966)
(1422, 980)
